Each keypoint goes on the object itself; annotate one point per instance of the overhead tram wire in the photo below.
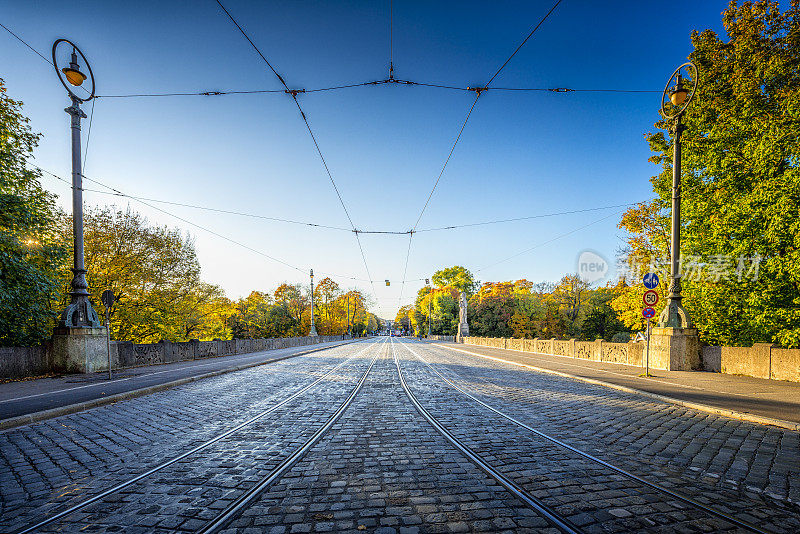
(526, 218)
(293, 94)
(391, 39)
(116, 192)
(478, 92)
(21, 40)
(538, 245)
(205, 208)
(342, 228)
(387, 81)
(514, 53)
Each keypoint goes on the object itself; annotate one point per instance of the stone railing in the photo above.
(452, 339)
(18, 362)
(598, 351)
(762, 360)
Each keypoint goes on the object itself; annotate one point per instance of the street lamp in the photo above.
(677, 95)
(312, 331)
(79, 313)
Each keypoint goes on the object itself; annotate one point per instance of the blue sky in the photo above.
(521, 154)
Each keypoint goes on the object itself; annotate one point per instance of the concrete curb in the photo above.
(20, 420)
(733, 414)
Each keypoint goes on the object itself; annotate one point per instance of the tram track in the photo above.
(585, 455)
(200, 447)
(244, 500)
(553, 517)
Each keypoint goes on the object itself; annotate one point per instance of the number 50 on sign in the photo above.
(650, 297)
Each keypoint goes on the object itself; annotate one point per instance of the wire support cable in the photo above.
(117, 192)
(538, 245)
(311, 133)
(195, 206)
(405, 269)
(478, 92)
(21, 40)
(525, 218)
(387, 81)
(514, 53)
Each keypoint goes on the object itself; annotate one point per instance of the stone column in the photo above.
(674, 349)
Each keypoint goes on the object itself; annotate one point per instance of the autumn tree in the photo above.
(155, 274)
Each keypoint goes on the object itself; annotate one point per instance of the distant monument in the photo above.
(463, 327)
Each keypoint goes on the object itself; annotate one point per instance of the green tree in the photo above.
(30, 250)
(457, 277)
(741, 151)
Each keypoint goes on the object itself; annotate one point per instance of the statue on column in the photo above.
(463, 327)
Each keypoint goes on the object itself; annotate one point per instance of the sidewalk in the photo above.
(743, 397)
(47, 397)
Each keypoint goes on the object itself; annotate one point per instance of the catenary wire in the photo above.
(538, 245)
(523, 43)
(391, 39)
(478, 92)
(342, 228)
(525, 218)
(88, 138)
(21, 40)
(311, 133)
(387, 81)
(116, 192)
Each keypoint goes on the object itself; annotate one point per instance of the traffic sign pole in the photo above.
(647, 352)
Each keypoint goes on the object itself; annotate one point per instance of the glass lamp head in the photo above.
(678, 96)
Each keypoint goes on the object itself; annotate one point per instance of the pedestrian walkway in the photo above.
(744, 397)
(51, 394)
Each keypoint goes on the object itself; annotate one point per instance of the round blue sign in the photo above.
(648, 313)
(650, 280)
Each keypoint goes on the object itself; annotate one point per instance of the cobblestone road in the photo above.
(383, 468)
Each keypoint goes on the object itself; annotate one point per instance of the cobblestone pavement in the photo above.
(748, 470)
(49, 465)
(383, 468)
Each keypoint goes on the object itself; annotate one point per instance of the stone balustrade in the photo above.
(762, 360)
(18, 362)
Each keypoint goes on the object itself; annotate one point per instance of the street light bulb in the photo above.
(678, 96)
(74, 76)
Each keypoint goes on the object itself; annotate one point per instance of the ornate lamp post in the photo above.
(312, 331)
(79, 313)
(674, 101)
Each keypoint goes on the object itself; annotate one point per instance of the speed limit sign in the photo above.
(650, 297)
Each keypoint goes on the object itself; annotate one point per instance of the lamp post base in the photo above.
(79, 350)
(674, 349)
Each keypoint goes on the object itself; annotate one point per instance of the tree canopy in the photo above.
(31, 252)
(741, 194)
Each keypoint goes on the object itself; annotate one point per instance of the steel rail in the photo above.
(619, 470)
(244, 500)
(201, 446)
(561, 523)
